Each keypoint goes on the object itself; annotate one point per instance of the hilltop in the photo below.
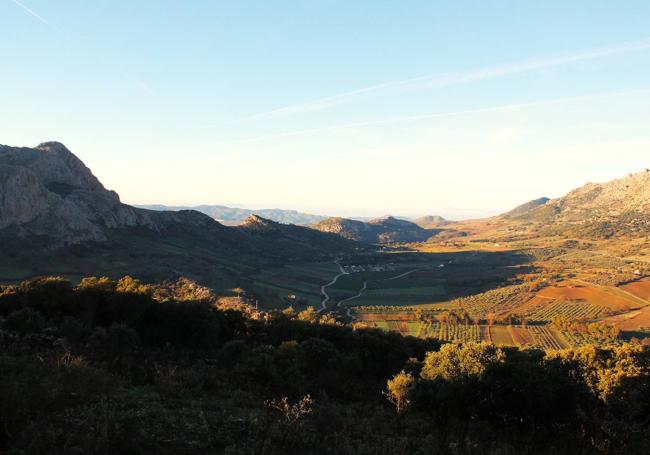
(432, 221)
(380, 230)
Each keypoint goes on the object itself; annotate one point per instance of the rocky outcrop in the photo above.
(56, 167)
(23, 197)
(628, 194)
(48, 191)
(617, 208)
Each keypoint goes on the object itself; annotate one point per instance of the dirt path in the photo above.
(365, 286)
(348, 312)
(403, 274)
(324, 293)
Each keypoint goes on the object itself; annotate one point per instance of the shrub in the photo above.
(24, 321)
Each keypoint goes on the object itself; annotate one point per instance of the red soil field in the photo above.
(640, 289)
(634, 320)
(386, 316)
(520, 335)
(591, 294)
(500, 335)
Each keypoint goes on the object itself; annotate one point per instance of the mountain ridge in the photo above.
(382, 230)
(619, 207)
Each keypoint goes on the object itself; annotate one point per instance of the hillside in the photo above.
(431, 221)
(525, 208)
(234, 216)
(617, 208)
(381, 230)
(56, 217)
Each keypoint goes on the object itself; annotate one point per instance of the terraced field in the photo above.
(500, 335)
(521, 336)
(546, 338)
(540, 336)
(609, 298)
(577, 339)
(496, 301)
(572, 310)
(451, 332)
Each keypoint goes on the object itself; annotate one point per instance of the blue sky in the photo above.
(406, 107)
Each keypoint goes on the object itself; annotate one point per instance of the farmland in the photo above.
(494, 293)
(497, 301)
(567, 308)
(640, 289)
(541, 336)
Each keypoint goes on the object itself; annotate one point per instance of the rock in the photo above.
(48, 191)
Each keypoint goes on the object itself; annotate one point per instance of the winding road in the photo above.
(348, 312)
(334, 280)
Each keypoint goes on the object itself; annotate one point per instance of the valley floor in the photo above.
(553, 294)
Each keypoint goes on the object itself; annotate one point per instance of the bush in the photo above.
(24, 321)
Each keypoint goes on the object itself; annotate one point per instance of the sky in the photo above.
(364, 108)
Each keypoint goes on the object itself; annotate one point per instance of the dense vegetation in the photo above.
(120, 367)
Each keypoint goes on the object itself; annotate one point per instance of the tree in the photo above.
(309, 315)
(398, 389)
(129, 284)
(95, 284)
(456, 361)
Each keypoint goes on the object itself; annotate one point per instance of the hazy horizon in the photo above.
(450, 213)
(333, 108)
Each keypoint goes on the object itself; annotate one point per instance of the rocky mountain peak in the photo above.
(48, 191)
(627, 194)
(56, 167)
(257, 222)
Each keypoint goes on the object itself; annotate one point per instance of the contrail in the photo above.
(38, 16)
(135, 80)
(412, 118)
(447, 79)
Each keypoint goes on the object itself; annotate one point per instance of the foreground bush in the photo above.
(112, 367)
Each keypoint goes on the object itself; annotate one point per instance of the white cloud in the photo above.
(414, 118)
(443, 80)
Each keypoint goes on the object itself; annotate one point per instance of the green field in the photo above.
(303, 280)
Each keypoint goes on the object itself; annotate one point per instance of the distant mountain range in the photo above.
(57, 218)
(234, 216)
